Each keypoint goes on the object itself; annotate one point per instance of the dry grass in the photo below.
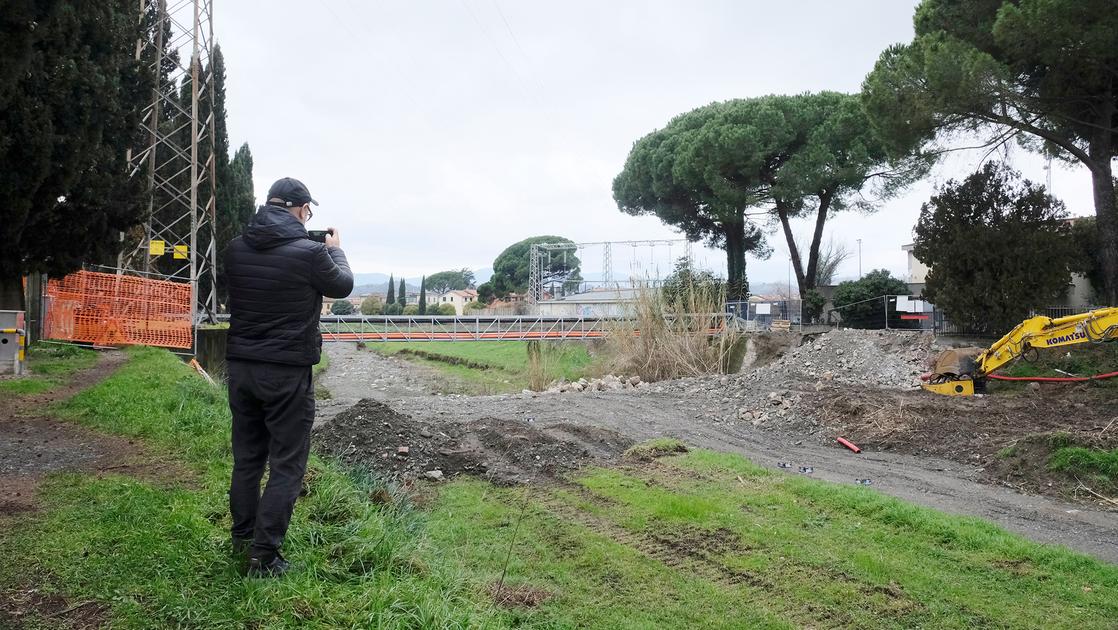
(673, 338)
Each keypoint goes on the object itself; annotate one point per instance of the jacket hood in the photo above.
(272, 226)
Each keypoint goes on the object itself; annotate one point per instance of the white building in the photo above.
(458, 299)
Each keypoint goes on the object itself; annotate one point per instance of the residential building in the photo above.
(457, 298)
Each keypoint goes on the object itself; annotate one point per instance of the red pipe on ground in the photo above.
(848, 444)
(1054, 379)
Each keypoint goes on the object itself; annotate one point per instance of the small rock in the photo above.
(424, 433)
(433, 475)
(403, 450)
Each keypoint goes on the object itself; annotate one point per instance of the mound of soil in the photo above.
(961, 429)
(1024, 465)
(373, 435)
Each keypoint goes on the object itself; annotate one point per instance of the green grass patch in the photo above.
(494, 366)
(322, 365)
(652, 449)
(1089, 464)
(724, 543)
(49, 365)
(1081, 360)
(159, 556)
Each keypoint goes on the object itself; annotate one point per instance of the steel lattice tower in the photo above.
(537, 252)
(176, 154)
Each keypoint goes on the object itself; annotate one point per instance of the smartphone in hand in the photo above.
(318, 235)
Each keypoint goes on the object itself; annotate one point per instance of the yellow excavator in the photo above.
(963, 371)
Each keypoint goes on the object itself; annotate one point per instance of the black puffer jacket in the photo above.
(277, 277)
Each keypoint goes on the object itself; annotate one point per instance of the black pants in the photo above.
(273, 410)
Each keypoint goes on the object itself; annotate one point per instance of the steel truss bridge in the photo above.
(376, 328)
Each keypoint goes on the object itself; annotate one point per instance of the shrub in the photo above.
(859, 303)
(674, 339)
(446, 309)
(342, 307)
(372, 305)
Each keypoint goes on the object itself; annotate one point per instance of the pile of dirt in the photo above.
(504, 451)
(880, 358)
(961, 429)
(1024, 465)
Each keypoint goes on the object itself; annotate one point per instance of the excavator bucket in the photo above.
(956, 362)
(953, 372)
(951, 388)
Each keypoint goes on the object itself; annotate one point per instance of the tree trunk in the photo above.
(1102, 179)
(737, 286)
(793, 251)
(11, 293)
(811, 275)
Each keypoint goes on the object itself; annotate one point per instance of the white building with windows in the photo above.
(457, 298)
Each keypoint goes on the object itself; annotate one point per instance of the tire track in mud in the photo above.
(697, 552)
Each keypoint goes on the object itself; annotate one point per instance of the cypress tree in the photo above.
(403, 293)
(234, 197)
(423, 295)
(391, 297)
(72, 94)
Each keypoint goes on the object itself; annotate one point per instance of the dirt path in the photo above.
(705, 421)
(33, 445)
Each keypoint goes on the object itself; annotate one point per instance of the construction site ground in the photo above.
(782, 412)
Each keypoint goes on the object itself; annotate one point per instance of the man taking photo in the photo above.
(277, 277)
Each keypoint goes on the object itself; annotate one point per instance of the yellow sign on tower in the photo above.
(181, 251)
(156, 248)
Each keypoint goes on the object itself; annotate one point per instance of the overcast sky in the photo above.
(437, 132)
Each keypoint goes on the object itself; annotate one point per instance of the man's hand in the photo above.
(332, 238)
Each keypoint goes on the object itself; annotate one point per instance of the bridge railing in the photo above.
(384, 328)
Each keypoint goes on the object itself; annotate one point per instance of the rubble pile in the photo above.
(882, 358)
(608, 383)
(785, 392)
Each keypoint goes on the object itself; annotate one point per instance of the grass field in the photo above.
(698, 539)
(709, 540)
(1079, 360)
(498, 366)
(158, 555)
(49, 365)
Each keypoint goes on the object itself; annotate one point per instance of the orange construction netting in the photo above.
(111, 310)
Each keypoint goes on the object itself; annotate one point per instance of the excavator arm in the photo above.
(956, 371)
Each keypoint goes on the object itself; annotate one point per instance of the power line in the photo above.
(493, 42)
(516, 41)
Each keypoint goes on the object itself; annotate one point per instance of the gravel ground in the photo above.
(789, 427)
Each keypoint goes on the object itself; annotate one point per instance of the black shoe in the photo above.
(241, 546)
(267, 567)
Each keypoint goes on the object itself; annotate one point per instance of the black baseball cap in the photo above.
(291, 191)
